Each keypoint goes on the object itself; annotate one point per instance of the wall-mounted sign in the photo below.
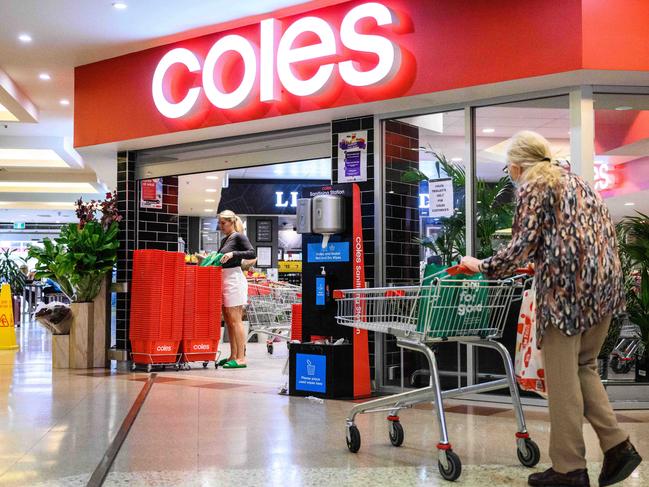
(311, 372)
(264, 256)
(352, 157)
(264, 231)
(604, 176)
(275, 63)
(263, 197)
(333, 252)
(440, 193)
(151, 193)
(282, 201)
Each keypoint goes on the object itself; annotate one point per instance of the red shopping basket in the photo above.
(296, 322)
(202, 313)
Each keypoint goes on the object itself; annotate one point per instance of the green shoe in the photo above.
(232, 364)
(222, 362)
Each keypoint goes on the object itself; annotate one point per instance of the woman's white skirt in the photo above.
(235, 287)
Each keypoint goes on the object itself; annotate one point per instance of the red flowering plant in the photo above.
(79, 259)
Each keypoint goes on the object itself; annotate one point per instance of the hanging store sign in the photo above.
(440, 193)
(352, 157)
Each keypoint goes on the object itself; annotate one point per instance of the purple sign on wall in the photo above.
(352, 157)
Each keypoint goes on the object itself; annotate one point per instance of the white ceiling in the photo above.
(69, 33)
(193, 188)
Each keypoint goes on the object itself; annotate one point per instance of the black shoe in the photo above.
(550, 478)
(619, 462)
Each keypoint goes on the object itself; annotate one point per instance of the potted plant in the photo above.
(634, 246)
(78, 261)
(11, 274)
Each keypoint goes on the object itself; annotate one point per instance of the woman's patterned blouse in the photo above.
(566, 230)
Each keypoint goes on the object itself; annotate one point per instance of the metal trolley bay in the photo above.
(447, 306)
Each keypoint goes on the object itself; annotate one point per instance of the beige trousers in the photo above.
(575, 391)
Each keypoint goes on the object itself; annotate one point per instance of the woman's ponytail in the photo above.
(531, 152)
(238, 224)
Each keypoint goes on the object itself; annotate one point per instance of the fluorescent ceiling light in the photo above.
(38, 205)
(210, 190)
(6, 115)
(209, 209)
(629, 204)
(31, 158)
(488, 131)
(211, 177)
(119, 5)
(25, 38)
(623, 108)
(45, 76)
(456, 159)
(45, 187)
(64, 102)
(210, 201)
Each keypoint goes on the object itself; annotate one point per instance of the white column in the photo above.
(582, 132)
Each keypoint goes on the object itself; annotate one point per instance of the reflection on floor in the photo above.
(230, 427)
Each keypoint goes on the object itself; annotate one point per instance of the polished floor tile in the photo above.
(207, 427)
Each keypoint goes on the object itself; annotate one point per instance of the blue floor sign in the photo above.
(310, 372)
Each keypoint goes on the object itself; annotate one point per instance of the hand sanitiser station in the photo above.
(332, 361)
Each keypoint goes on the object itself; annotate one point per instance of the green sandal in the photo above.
(232, 364)
(222, 362)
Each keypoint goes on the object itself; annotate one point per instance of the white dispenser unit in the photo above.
(303, 214)
(327, 216)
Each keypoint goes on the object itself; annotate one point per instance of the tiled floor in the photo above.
(230, 428)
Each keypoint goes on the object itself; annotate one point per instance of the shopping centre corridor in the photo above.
(206, 427)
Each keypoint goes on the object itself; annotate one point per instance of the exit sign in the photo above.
(19, 225)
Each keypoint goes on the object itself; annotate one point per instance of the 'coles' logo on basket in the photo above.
(163, 348)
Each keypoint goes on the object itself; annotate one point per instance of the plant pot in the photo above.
(602, 367)
(100, 324)
(16, 309)
(642, 367)
(81, 336)
(60, 351)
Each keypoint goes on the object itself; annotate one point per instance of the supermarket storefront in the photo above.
(437, 87)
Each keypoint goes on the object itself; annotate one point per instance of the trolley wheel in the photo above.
(396, 433)
(621, 366)
(269, 347)
(454, 468)
(149, 367)
(353, 438)
(531, 456)
(133, 367)
(205, 365)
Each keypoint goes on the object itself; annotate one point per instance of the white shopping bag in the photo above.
(529, 365)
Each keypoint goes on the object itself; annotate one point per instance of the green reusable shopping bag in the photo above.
(457, 310)
(213, 259)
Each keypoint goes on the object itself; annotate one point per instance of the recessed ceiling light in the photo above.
(64, 102)
(488, 131)
(58, 221)
(210, 190)
(456, 159)
(209, 209)
(211, 177)
(26, 38)
(210, 201)
(629, 204)
(44, 76)
(119, 5)
(623, 108)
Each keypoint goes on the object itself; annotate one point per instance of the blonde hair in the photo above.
(231, 216)
(531, 152)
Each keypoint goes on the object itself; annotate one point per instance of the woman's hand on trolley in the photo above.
(226, 257)
(471, 263)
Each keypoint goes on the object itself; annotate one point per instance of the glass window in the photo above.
(494, 193)
(622, 177)
(425, 222)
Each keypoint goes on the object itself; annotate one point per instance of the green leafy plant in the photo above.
(10, 271)
(494, 212)
(79, 259)
(634, 247)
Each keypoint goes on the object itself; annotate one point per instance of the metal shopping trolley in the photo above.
(447, 306)
(269, 309)
(626, 349)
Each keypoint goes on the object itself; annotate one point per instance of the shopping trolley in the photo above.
(269, 309)
(626, 349)
(447, 306)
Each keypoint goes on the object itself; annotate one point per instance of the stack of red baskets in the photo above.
(157, 298)
(296, 322)
(202, 313)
